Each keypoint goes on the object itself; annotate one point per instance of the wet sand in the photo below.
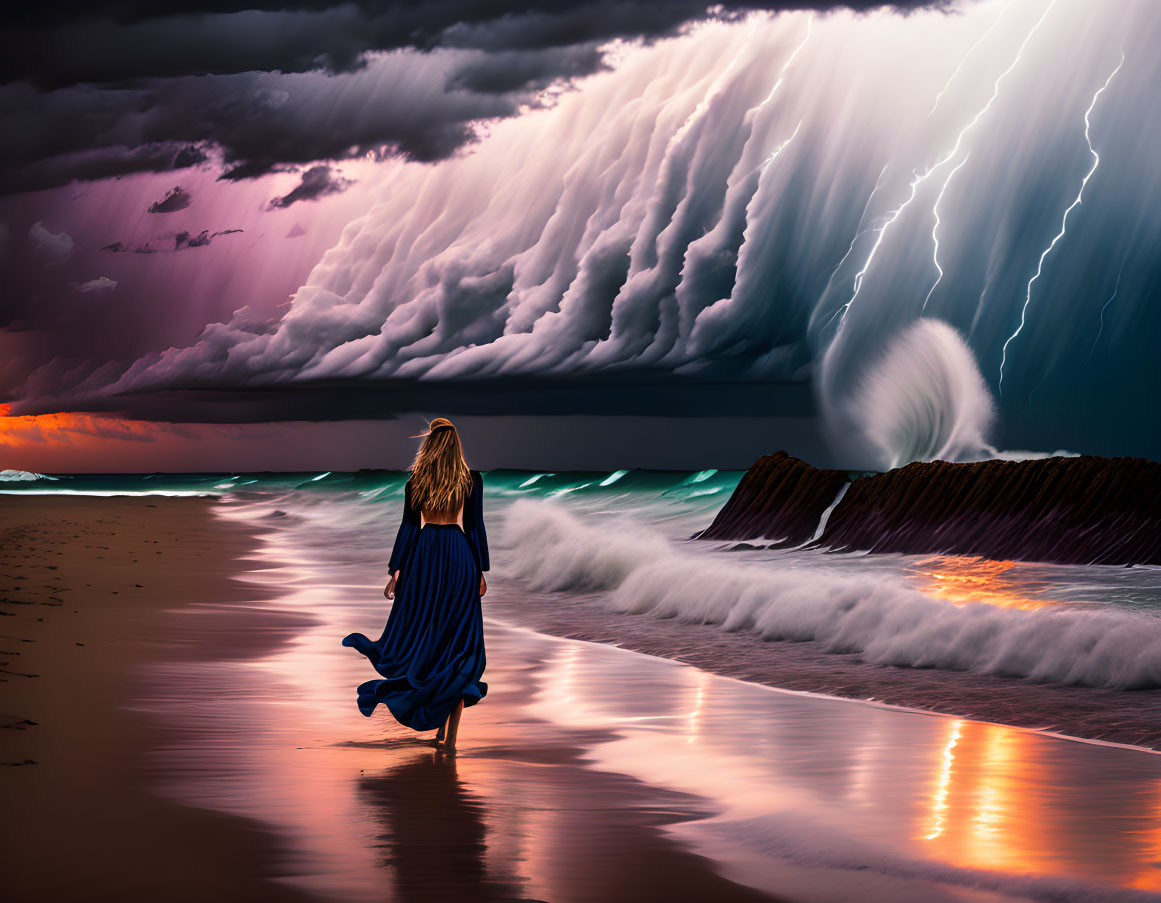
(82, 584)
(210, 730)
(113, 605)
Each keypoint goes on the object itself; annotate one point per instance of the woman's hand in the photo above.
(483, 585)
(389, 589)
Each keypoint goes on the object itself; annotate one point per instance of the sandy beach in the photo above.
(97, 595)
(83, 582)
(180, 718)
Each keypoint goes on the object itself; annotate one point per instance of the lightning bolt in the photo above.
(971, 50)
(841, 313)
(774, 90)
(1116, 289)
(935, 228)
(781, 147)
(860, 232)
(1096, 160)
(980, 303)
(921, 178)
(789, 62)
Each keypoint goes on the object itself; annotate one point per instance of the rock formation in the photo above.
(1067, 510)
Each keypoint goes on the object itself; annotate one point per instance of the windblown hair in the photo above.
(440, 478)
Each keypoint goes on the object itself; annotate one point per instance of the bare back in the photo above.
(430, 516)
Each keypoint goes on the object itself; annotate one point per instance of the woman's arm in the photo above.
(404, 537)
(474, 522)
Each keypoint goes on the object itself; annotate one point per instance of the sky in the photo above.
(594, 234)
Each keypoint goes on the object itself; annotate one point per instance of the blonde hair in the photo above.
(440, 478)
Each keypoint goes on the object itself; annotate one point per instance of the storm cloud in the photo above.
(174, 200)
(317, 182)
(92, 92)
(170, 241)
(858, 221)
(744, 209)
(51, 247)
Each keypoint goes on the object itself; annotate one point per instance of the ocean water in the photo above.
(608, 557)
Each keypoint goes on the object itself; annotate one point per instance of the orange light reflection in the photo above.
(939, 806)
(962, 579)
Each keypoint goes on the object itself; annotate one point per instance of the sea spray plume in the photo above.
(880, 617)
(924, 399)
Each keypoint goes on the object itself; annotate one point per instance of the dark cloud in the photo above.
(317, 182)
(175, 199)
(99, 286)
(262, 122)
(624, 395)
(102, 90)
(65, 44)
(172, 241)
(507, 71)
(86, 165)
(51, 247)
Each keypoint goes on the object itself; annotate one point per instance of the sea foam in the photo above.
(880, 617)
(13, 476)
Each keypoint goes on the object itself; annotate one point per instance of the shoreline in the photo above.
(1083, 713)
(816, 694)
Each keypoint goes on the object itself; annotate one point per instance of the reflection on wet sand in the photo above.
(801, 779)
(939, 807)
(996, 806)
(433, 837)
(593, 773)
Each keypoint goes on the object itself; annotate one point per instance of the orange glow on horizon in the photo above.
(24, 431)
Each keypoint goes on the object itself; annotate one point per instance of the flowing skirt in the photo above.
(431, 653)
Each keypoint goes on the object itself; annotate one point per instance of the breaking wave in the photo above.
(881, 618)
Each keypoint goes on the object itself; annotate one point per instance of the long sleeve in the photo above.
(408, 530)
(474, 522)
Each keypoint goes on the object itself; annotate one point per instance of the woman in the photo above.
(431, 653)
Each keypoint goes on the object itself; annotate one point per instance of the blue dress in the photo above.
(431, 653)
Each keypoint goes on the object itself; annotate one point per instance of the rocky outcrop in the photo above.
(779, 498)
(1068, 510)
